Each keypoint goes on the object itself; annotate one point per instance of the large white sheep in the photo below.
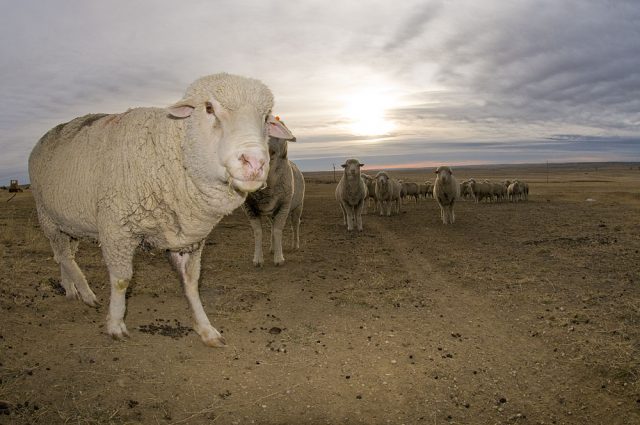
(282, 197)
(351, 194)
(153, 177)
(446, 191)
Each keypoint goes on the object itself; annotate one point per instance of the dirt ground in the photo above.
(520, 313)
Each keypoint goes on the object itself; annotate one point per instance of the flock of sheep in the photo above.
(356, 189)
(164, 177)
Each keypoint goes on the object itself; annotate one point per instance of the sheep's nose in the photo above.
(253, 165)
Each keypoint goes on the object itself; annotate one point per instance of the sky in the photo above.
(395, 84)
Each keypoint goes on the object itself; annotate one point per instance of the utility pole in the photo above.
(334, 173)
(547, 171)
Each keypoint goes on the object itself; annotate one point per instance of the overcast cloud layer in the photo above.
(468, 81)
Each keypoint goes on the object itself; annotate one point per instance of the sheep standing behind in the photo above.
(351, 194)
(154, 177)
(283, 197)
(446, 190)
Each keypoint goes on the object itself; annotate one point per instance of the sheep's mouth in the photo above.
(246, 186)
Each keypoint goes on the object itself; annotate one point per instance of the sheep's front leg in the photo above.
(452, 214)
(256, 226)
(350, 217)
(360, 208)
(118, 255)
(188, 267)
(344, 214)
(276, 235)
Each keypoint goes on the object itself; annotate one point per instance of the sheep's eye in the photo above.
(209, 108)
(266, 118)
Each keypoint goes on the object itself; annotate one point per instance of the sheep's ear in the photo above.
(344, 165)
(362, 165)
(182, 109)
(278, 129)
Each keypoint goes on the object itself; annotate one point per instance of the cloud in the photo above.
(460, 70)
(413, 25)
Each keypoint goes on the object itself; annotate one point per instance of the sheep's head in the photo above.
(278, 146)
(382, 179)
(228, 120)
(443, 172)
(352, 167)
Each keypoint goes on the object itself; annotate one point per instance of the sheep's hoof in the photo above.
(215, 342)
(278, 262)
(117, 329)
(257, 263)
(71, 293)
(211, 337)
(90, 299)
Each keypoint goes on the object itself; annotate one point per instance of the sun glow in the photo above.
(366, 113)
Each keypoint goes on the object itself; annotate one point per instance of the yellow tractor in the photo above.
(14, 187)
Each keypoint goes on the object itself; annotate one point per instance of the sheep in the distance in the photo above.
(446, 191)
(282, 197)
(370, 181)
(422, 190)
(429, 188)
(351, 194)
(387, 193)
(158, 177)
(410, 190)
(465, 190)
(480, 190)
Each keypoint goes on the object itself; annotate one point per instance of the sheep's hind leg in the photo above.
(72, 273)
(64, 251)
(188, 267)
(295, 227)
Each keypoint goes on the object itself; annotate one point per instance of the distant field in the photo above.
(523, 313)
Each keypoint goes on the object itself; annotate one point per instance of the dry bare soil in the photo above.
(524, 313)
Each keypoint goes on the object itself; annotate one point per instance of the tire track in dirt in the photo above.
(480, 336)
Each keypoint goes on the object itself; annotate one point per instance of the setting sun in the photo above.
(366, 114)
